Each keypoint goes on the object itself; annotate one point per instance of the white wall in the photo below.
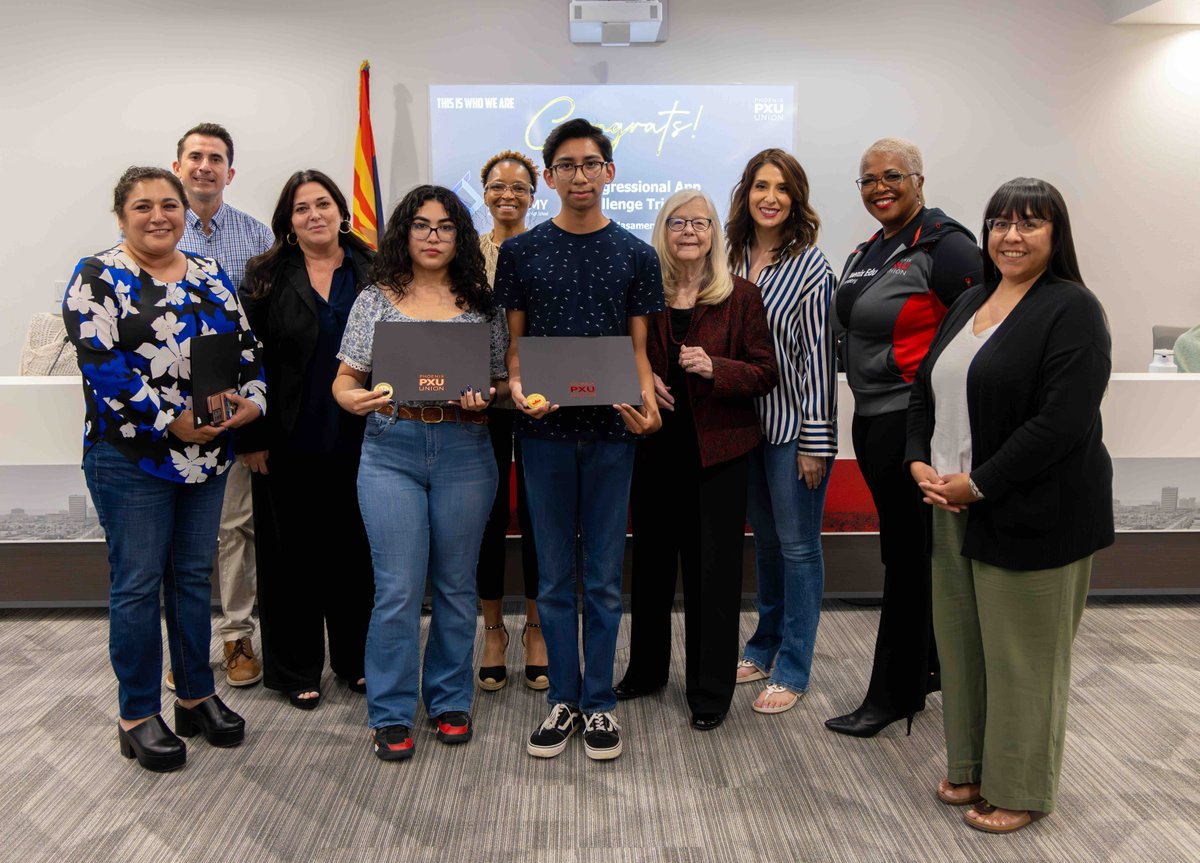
(989, 90)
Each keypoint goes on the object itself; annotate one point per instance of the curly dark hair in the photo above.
(510, 156)
(800, 229)
(135, 174)
(393, 267)
(263, 270)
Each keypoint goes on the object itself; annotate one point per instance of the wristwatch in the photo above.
(974, 488)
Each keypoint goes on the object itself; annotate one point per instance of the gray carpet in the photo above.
(305, 786)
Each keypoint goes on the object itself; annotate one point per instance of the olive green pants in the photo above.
(1004, 638)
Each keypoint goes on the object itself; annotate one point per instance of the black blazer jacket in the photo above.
(1033, 399)
(285, 321)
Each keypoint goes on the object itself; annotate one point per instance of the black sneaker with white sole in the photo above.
(550, 738)
(601, 736)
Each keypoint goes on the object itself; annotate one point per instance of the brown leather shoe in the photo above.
(241, 668)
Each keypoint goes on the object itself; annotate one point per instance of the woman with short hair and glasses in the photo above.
(895, 289)
(509, 183)
(1005, 444)
(427, 477)
(772, 233)
(712, 355)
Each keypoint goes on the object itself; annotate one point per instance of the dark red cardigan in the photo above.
(736, 335)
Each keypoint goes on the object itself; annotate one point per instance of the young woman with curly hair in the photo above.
(427, 477)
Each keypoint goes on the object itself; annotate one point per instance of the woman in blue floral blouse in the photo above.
(156, 480)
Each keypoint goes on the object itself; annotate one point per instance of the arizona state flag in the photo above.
(367, 217)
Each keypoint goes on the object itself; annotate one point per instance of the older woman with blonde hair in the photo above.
(712, 354)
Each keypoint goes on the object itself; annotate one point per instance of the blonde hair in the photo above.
(718, 283)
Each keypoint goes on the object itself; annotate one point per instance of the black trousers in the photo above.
(906, 659)
(489, 574)
(690, 517)
(314, 569)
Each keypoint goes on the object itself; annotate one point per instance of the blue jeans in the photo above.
(160, 535)
(786, 518)
(425, 491)
(579, 488)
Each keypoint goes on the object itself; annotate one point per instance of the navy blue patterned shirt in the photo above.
(578, 285)
(133, 336)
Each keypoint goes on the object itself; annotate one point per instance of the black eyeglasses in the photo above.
(868, 182)
(422, 230)
(700, 226)
(521, 190)
(591, 168)
(1024, 226)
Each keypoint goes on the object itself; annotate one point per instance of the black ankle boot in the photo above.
(867, 721)
(153, 744)
(220, 725)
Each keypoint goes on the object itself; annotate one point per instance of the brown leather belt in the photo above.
(435, 414)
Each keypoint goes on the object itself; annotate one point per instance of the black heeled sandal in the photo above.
(494, 677)
(536, 676)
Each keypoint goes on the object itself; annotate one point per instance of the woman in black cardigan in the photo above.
(314, 563)
(1004, 440)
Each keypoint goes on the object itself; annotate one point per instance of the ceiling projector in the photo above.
(615, 22)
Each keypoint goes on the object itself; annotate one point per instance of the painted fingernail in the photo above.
(462, 392)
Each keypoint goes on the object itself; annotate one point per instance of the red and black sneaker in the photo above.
(392, 742)
(453, 726)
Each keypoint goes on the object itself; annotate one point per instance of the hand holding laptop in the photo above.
(474, 400)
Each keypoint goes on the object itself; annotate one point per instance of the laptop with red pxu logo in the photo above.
(575, 371)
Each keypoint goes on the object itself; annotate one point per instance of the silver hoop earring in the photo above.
(345, 227)
(291, 239)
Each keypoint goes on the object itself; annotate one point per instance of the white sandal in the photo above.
(775, 689)
(758, 673)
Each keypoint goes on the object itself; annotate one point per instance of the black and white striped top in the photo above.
(797, 291)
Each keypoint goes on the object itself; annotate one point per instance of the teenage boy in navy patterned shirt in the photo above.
(579, 274)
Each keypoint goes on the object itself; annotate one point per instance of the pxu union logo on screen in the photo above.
(768, 109)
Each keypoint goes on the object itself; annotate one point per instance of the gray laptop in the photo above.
(575, 371)
(431, 361)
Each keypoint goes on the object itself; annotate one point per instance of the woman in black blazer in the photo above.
(314, 563)
(1005, 442)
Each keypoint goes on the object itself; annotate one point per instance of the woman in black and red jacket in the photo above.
(893, 294)
(711, 352)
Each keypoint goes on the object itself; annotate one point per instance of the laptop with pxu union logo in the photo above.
(573, 371)
(431, 361)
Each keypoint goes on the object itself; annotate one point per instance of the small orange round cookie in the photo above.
(384, 389)
(535, 400)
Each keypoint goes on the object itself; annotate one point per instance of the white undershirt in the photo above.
(950, 448)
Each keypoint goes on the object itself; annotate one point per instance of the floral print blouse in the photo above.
(133, 337)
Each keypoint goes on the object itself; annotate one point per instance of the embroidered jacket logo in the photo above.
(901, 266)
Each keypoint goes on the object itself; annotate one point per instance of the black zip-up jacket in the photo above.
(886, 316)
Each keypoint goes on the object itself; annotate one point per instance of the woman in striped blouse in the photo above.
(772, 232)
